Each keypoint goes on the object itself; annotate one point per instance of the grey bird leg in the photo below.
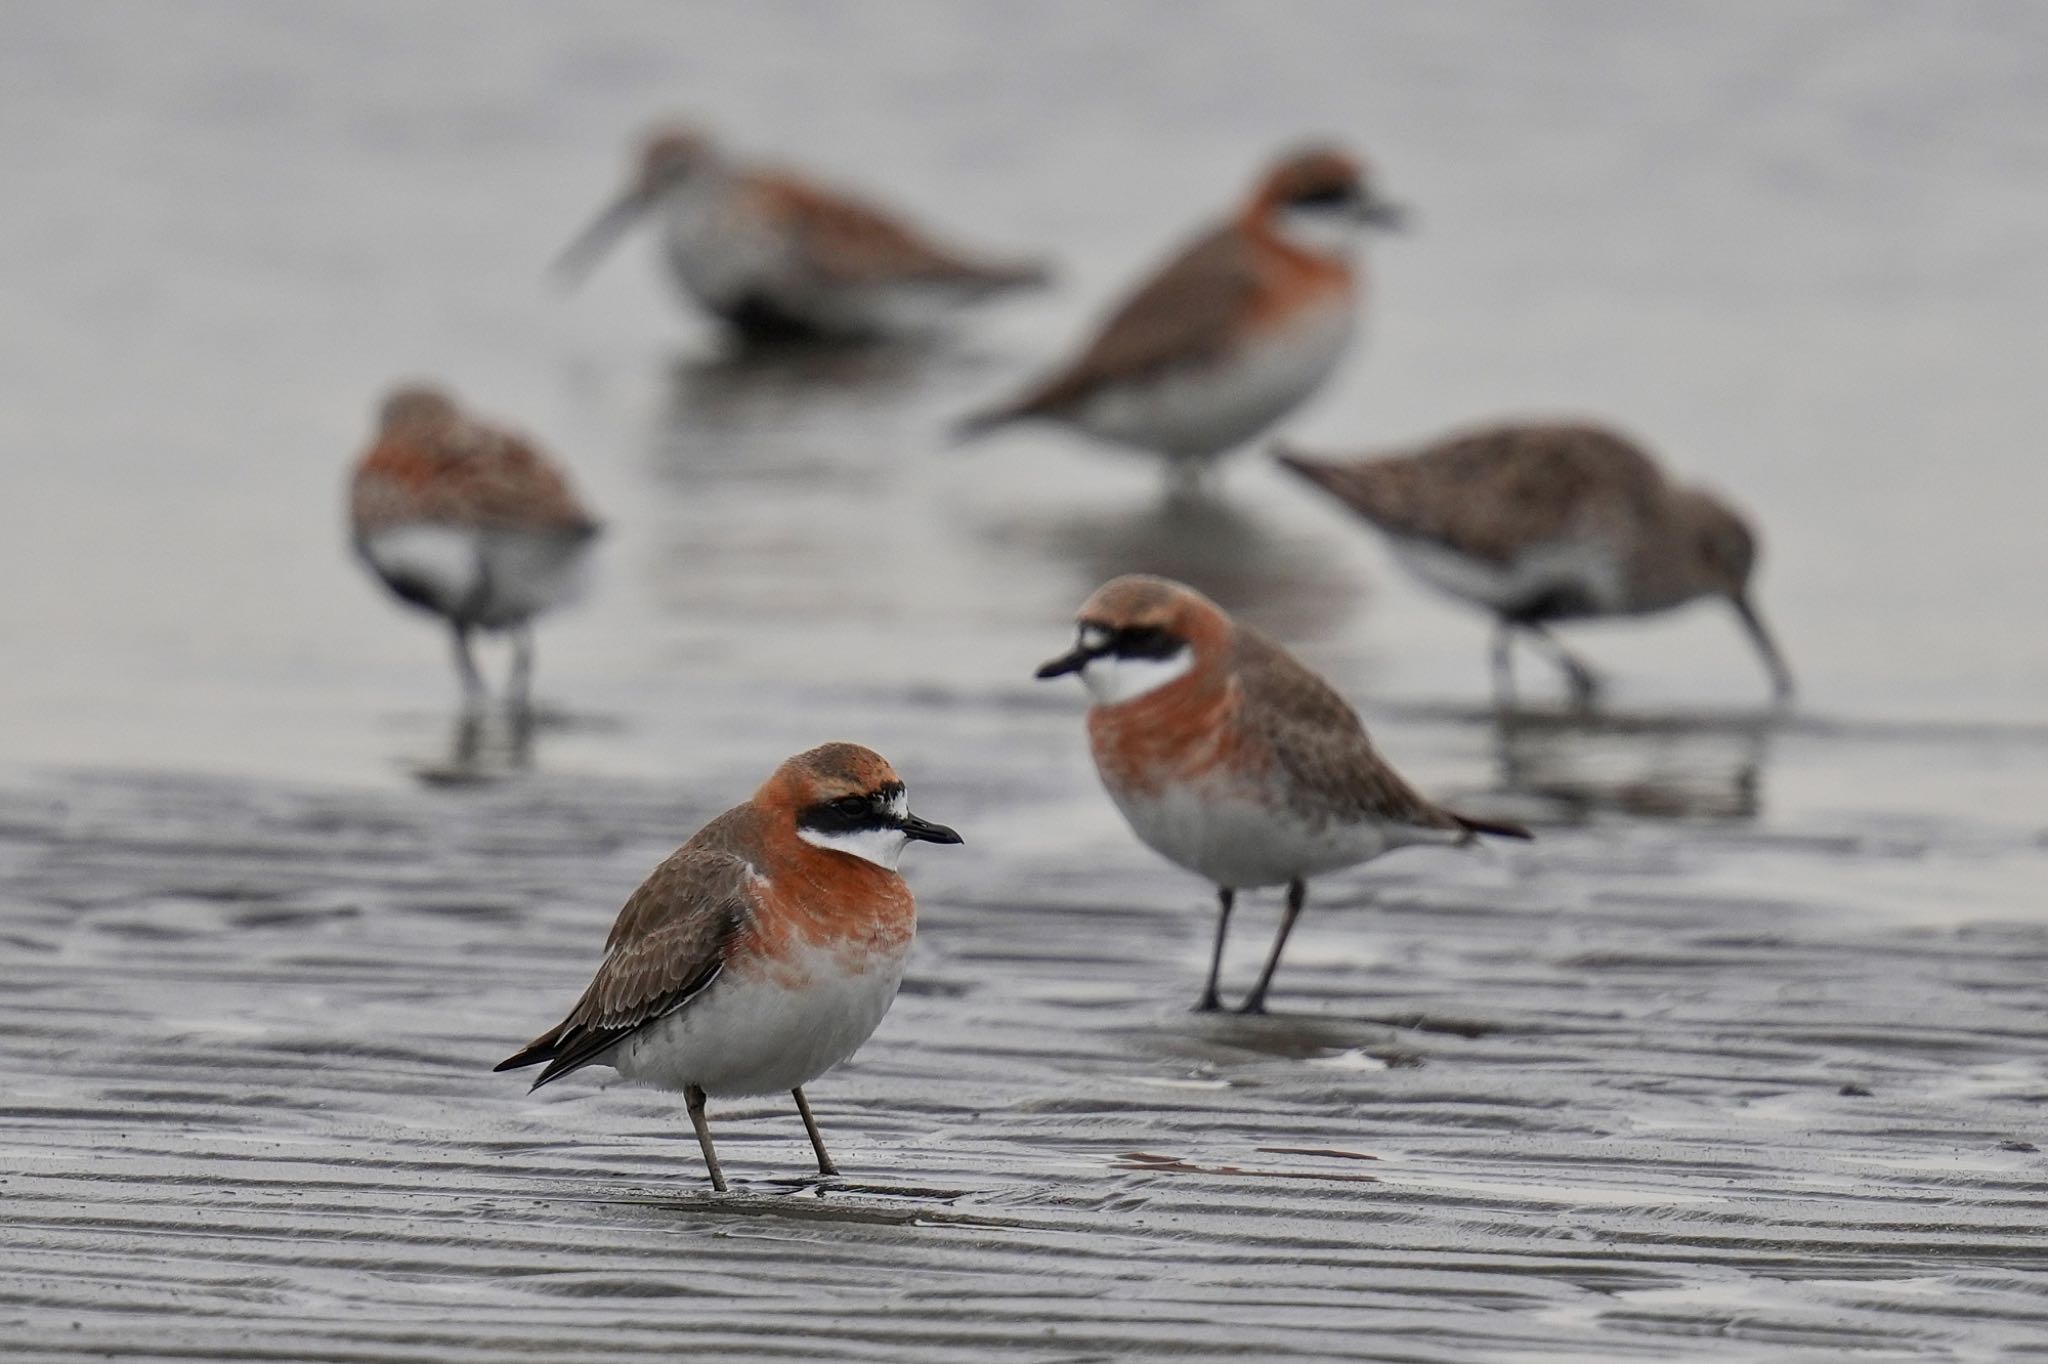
(693, 1100)
(465, 666)
(1225, 899)
(1583, 681)
(825, 1165)
(1503, 666)
(1255, 1002)
(519, 689)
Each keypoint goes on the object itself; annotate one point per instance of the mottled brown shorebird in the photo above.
(1228, 756)
(777, 255)
(469, 522)
(1544, 522)
(763, 953)
(1230, 335)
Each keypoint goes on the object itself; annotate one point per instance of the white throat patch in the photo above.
(883, 847)
(1324, 231)
(1112, 680)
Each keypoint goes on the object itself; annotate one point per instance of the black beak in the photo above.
(1774, 662)
(1384, 214)
(1071, 661)
(580, 256)
(924, 831)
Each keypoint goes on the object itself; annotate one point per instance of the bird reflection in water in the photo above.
(485, 746)
(1679, 765)
(743, 382)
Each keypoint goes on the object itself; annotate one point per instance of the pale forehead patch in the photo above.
(1093, 636)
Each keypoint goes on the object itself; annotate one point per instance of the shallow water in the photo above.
(1742, 1060)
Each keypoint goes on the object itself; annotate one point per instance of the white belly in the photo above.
(488, 578)
(1239, 842)
(1587, 571)
(1197, 412)
(754, 1036)
(435, 567)
(528, 573)
(717, 255)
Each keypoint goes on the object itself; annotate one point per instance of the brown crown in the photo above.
(824, 773)
(1308, 173)
(1139, 600)
(417, 407)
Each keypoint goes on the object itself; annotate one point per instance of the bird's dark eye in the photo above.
(1326, 196)
(850, 805)
(1145, 641)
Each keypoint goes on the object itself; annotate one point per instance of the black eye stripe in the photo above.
(851, 813)
(1325, 196)
(1139, 641)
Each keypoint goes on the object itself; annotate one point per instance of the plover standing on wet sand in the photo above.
(763, 953)
(1228, 756)
(778, 256)
(469, 522)
(1232, 334)
(1542, 522)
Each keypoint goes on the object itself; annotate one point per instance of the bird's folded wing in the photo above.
(1320, 745)
(845, 241)
(519, 489)
(1187, 314)
(678, 926)
(1492, 493)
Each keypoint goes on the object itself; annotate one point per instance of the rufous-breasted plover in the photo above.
(763, 952)
(1233, 333)
(1552, 521)
(468, 521)
(1230, 757)
(777, 255)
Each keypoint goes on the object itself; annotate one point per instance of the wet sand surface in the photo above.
(1744, 1058)
(1698, 1090)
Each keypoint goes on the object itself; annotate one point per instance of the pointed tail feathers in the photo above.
(1500, 828)
(1334, 479)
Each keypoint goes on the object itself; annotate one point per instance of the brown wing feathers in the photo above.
(1318, 740)
(682, 920)
(1186, 313)
(1489, 493)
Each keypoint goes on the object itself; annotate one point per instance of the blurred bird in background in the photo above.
(779, 257)
(1547, 522)
(470, 522)
(1232, 334)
